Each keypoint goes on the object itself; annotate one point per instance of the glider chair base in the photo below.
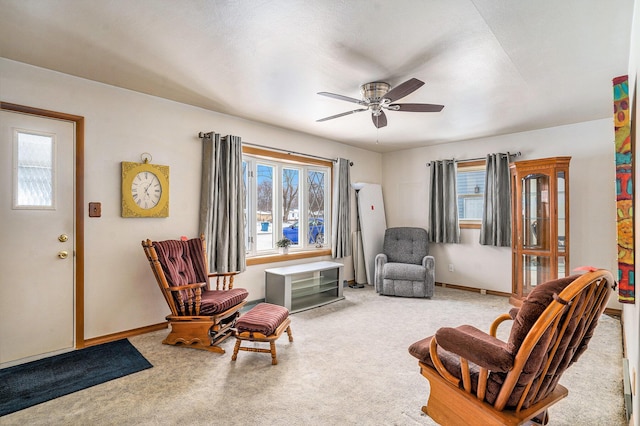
(205, 333)
(447, 405)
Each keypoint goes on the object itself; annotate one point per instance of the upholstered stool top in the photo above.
(263, 318)
(218, 301)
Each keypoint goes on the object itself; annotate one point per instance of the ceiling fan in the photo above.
(378, 96)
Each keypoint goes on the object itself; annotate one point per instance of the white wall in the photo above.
(405, 177)
(631, 313)
(120, 291)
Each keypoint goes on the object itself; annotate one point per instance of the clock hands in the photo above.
(147, 196)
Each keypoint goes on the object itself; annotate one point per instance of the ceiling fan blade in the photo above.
(342, 114)
(404, 89)
(416, 107)
(379, 120)
(342, 98)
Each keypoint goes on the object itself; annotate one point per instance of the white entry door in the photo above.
(37, 233)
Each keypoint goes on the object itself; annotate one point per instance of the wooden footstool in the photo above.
(262, 323)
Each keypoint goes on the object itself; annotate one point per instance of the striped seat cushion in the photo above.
(217, 301)
(263, 318)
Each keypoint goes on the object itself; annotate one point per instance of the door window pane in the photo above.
(34, 171)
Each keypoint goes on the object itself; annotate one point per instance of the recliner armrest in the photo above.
(381, 257)
(476, 346)
(429, 262)
(380, 260)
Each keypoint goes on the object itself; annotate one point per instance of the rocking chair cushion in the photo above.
(420, 350)
(217, 301)
(476, 346)
(182, 261)
(532, 307)
(263, 318)
(451, 361)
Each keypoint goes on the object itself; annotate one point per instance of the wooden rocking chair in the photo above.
(202, 315)
(477, 379)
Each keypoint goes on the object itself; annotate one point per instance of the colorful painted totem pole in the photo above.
(624, 190)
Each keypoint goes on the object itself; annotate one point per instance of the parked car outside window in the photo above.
(316, 231)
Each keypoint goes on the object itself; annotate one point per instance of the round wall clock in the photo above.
(145, 190)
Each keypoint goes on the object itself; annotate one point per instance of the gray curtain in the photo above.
(496, 218)
(222, 202)
(443, 206)
(341, 229)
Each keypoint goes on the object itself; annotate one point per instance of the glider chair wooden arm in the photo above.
(475, 378)
(204, 306)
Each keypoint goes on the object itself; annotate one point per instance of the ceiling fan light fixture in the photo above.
(375, 91)
(378, 96)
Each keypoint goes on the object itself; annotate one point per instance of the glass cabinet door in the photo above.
(536, 264)
(562, 224)
(536, 270)
(540, 248)
(535, 211)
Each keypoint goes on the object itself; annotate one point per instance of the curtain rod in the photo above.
(515, 154)
(201, 135)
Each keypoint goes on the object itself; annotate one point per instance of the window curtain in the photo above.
(443, 208)
(341, 231)
(496, 218)
(222, 203)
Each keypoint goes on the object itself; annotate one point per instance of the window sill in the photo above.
(470, 225)
(272, 258)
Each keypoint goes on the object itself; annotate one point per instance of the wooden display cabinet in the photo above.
(540, 223)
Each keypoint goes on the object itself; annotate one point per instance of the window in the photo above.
(470, 191)
(287, 196)
(34, 165)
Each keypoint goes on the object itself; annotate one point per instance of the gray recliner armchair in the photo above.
(405, 267)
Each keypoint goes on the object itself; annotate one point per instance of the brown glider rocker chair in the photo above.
(476, 379)
(204, 306)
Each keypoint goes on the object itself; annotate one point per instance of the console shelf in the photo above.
(304, 286)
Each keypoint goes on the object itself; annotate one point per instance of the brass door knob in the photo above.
(63, 254)
(63, 238)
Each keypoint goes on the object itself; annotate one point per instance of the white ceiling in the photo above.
(498, 66)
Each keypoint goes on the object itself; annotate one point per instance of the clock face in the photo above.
(146, 190)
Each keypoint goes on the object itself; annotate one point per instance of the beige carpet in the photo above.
(348, 365)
